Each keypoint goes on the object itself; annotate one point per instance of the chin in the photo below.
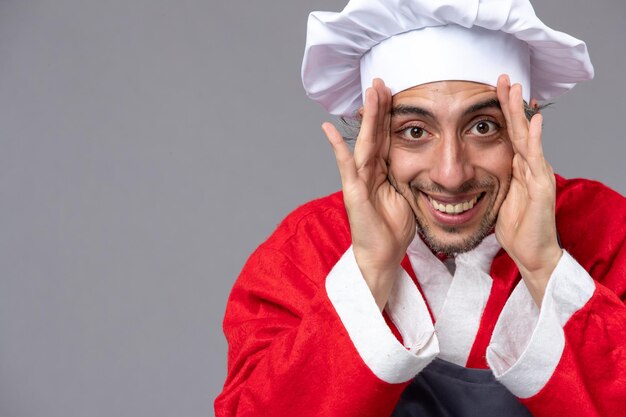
(454, 240)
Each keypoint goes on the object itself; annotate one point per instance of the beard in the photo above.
(435, 240)
(438, 245)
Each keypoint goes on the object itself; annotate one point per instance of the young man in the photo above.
(455, 275)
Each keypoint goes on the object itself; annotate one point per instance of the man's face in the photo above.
(451, 157)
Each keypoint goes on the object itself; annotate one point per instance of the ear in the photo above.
(534, 104)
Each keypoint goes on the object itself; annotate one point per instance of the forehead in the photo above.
(449, 95)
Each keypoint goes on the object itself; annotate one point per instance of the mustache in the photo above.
(466, 187)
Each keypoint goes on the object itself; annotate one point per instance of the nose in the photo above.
(451, 164)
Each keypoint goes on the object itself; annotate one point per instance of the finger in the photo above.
(521, 172)
(384, 107)
(379, 87)
(502, 90)
(385, 139)
(535, 147)
(518, 130)
(533, 171)
(536, 160)
(343, 156)
(366, 145)
(512, 106)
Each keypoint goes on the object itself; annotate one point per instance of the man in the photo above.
(455, 275)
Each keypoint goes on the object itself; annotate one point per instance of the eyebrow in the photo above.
(492, 103)
(404, 109)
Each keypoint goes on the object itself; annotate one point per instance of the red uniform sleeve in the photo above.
(587, 305)
(289, 352)
(590, 378)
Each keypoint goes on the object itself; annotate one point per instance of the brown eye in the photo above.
(414, 132)
(484, 128)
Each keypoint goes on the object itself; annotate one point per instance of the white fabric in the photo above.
(337, 42)
(460, 317)
(449, 52)
(434, 277)
(388, 359)
(528, 342)
(457, 302)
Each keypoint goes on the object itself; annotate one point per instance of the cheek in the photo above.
(405, 165)
(496, 161)
(505, 166)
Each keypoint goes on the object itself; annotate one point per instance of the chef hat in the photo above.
(413, 42)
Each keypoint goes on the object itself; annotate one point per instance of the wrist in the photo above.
(537, 279)
(380, 280)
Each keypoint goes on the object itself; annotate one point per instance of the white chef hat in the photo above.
(413, 42)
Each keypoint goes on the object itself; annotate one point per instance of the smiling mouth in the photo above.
(456, 208)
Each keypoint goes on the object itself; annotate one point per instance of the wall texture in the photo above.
(147, 147)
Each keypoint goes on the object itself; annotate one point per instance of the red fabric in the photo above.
(289, 354)
(590, 379)
(505, 277)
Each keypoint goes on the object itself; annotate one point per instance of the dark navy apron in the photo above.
(444, 389)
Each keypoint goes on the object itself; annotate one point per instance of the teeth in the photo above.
(453, 208)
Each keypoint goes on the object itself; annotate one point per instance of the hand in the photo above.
(526, 226)
(382, 223)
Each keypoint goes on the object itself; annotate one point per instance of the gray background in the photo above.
(148, 146)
